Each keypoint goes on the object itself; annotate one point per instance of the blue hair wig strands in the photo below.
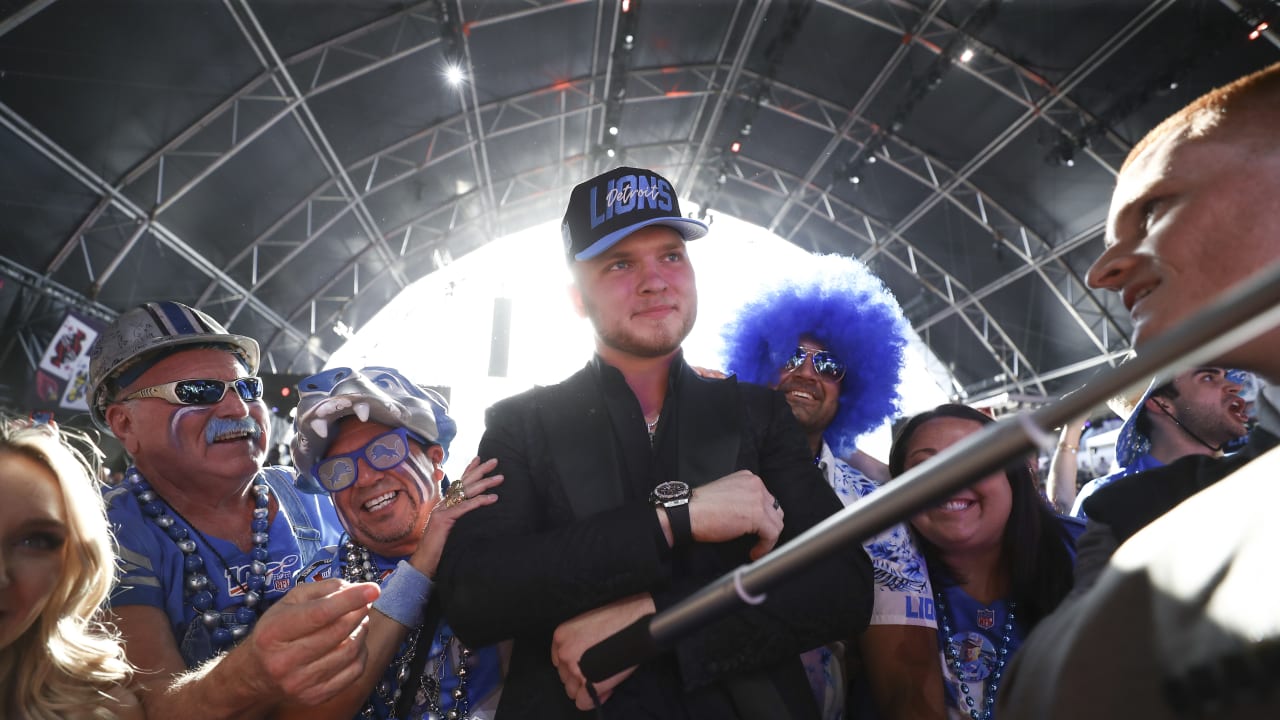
(837, 301)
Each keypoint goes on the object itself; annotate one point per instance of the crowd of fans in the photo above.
(363, 583)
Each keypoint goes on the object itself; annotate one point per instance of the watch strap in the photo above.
(681, 524)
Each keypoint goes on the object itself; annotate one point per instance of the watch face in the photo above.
(671, 490)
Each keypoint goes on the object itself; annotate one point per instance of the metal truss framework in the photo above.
(909, 160)
(277, 88)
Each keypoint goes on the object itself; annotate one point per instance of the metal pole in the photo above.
(1238, 315)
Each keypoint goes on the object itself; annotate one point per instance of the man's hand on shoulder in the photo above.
(708, 373)
(575, 636)
(735, 505)
(474, 487)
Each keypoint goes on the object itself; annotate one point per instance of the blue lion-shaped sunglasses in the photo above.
(371, 394)
(339, 472)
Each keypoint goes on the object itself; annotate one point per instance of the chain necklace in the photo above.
(432, 679)
(225, 628)
(358, 565)
(953, 660)
(652, 427)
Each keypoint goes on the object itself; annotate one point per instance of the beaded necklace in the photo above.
(358, 565)
(953, 659)
(225, 628)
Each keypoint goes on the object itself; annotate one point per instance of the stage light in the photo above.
(453, 75)
(279, 391)
(735, 146)
(1259, 29)
(613, 129)
(1063, 153)
(967, 55)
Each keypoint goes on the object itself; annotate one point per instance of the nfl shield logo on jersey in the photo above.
(986, 618)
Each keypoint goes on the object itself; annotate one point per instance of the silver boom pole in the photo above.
(1238, 315)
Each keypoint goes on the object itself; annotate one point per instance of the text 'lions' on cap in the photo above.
(612, 205)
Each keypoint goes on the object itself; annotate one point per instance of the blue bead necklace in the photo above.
(953, 659)
(229, 627)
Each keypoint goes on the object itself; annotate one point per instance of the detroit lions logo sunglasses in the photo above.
(388, 450)
(200, 392)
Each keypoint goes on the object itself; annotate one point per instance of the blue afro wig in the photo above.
(841, 304)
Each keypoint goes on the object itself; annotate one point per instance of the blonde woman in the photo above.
(56, 568)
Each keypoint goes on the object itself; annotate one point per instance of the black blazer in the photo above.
(562, 540)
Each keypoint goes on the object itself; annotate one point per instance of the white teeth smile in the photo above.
(955, 505)
(801, 394)
(235, 435)
(379, 502)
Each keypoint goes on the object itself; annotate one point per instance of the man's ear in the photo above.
(575, 297)
(120, 420)
(1157, 405)
(436, 453)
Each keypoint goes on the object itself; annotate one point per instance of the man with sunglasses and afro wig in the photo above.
(375, 444)
(831, 339)
(208, 539)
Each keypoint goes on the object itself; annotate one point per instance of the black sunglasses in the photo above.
(200, 392)
(825, 363)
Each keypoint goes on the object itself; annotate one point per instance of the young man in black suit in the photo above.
(636, 482)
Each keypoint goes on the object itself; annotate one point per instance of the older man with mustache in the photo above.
(208, 539)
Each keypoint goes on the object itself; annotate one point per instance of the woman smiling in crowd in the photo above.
(999, 559)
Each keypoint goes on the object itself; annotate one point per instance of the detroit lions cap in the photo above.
(612, 205)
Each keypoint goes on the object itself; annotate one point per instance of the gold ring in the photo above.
(456, 495)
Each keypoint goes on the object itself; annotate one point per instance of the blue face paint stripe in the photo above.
(174, 441)
(425, 482)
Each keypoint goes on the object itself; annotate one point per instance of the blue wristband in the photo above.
(404, 595)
